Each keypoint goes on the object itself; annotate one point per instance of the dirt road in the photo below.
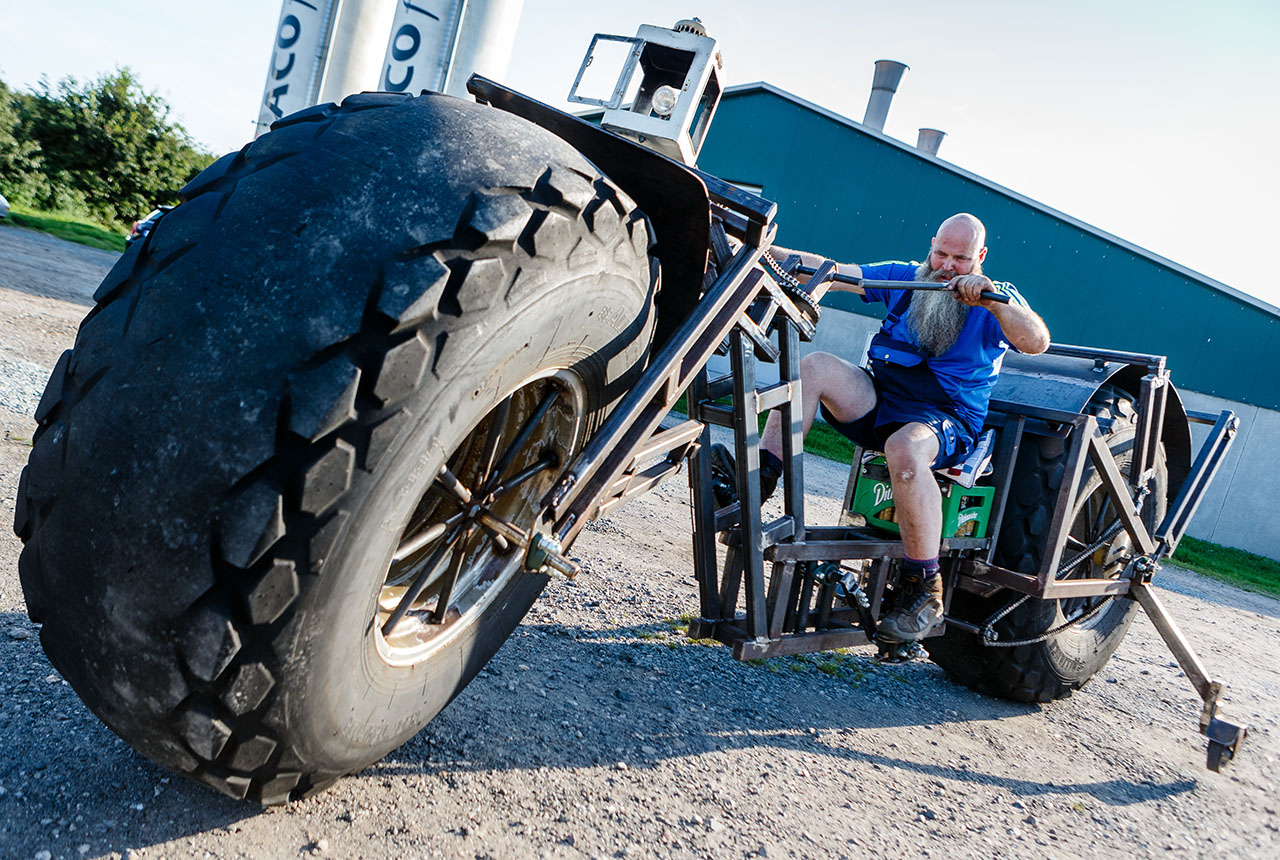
(599, 731)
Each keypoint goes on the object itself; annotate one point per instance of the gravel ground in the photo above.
(599, 731)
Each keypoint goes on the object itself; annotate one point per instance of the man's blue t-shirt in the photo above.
(967, 372)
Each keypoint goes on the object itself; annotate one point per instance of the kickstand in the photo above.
(1224, 737)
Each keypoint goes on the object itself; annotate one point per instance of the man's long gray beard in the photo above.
(936, 317)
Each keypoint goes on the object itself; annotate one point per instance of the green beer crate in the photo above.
(965, 511)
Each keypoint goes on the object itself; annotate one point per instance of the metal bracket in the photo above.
(1210, 458)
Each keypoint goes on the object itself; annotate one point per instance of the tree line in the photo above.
(104, 149)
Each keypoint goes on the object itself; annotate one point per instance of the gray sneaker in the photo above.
(919, 610)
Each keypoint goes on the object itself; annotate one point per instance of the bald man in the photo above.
(933, 365)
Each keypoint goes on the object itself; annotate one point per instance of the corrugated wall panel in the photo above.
(853, 195)
(1185, 316)
(842, 193)
(1264, 379)
(1067, 284)
(1233, 355)
(1120, 312)
(811, 150)
(752, 145)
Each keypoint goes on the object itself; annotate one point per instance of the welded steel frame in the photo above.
(736, 300)
(780, 608)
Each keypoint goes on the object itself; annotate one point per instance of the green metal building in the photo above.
(854, 194)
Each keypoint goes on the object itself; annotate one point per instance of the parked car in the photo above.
(4, 207)
(141, 228)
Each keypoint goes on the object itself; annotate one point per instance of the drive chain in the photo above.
(989, 635)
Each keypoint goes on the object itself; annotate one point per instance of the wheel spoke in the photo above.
(497, 423)
(450, 482)
(418, 541)
(499, 539)
(1104, 507)
(509, 456)
(543, 463)
(420, 581)
(451, 578)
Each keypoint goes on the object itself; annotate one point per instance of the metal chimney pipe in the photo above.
(883, 86)
(929, 139)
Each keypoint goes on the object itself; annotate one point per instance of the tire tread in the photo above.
(336, 416)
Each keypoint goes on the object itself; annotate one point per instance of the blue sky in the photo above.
(1155, 121)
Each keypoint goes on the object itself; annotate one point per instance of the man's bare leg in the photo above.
(848, 393)
(845, 388)
(910, 453)
(824, 378)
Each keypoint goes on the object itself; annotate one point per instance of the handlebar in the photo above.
(913, 285)
(839, 278)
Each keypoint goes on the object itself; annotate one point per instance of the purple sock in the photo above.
(923, 568)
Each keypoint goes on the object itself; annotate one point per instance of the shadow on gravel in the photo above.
(66, 780)
(53, 292)
(555, 696)
(563, 697)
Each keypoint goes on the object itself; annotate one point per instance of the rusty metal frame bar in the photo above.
(1084, 428)
(1153, 363)
(1151, 412)
(747, 459)
(1224, 737)
(1006, 457)
(1212, 453)
(1117, 488)
(609, 452)
(823, 544)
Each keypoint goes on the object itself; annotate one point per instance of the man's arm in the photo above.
(852, 270)
(1020, 325)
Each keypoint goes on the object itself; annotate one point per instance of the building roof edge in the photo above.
(1214, 283)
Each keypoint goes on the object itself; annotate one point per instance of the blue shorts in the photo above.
(873, 430)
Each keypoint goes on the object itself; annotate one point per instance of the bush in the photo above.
(104, 149)
(20, 161)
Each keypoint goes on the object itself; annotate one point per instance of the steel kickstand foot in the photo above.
(1224, 736)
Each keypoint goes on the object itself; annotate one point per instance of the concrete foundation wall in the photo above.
(1242, 506)
(1239, 509)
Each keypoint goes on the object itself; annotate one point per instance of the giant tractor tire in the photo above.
(1053, 666)
(239, 538)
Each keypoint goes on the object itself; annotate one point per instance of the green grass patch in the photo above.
(843, 665)
(681, 624)
(73, 228)
(824, 442)
(1235, 566)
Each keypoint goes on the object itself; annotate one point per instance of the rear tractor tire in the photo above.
(1064, 661)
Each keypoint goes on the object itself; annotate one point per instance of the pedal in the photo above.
(892, 651)
(849, 591)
